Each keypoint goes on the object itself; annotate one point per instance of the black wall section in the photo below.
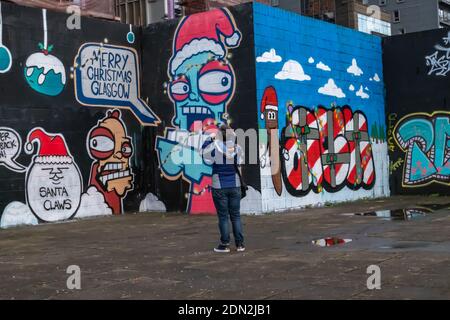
(157, 48)
(68, 164)
(22, 108)
(417, 76)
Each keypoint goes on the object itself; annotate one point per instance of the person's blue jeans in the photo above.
(228, 203)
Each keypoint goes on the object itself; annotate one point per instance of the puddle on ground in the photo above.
(403, 214)
(330, 241)
(406, 245)
(435, 206)
(398, 214)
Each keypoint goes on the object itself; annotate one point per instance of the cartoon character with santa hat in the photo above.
(269, 113)
(201, 85)
(53, 181)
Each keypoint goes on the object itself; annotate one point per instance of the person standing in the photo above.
(225, 155)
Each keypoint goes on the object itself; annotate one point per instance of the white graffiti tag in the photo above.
(440, 64)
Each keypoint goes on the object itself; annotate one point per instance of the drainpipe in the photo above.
(169, 7)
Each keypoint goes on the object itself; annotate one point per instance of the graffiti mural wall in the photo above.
(418, 117)
(73, 120)
(111, 118)
(202, 75)
(321, 108)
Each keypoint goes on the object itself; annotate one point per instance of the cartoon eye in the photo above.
(180, 88)
(101, 143)
(271, 115)
(215, 82)
(127, 149)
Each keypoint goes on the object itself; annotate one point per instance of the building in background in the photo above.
(358, 15)
(194, 6)
(416, 15)
(349, 13)
(137, 12)
(157, 10)
(355, 14)
(319, 9)
(103, 9)
(144, 12)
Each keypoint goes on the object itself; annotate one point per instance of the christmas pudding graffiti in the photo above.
(44, 72)
(53, 181)
(201, 85)
(111, 148)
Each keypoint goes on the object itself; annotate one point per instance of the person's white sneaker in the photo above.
(222, 248)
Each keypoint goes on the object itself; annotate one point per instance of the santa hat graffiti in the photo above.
(52, 148)
(217, 29)
(269, 101)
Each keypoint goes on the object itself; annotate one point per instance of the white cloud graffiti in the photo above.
(354, 69)
(269, 56)
(323, 66)
(351, 88)
(311, 60)
(376, 77)
(331, 89)
(292, 70)
(151, 203)
(362, 94)
(93, 204)
(16, 214)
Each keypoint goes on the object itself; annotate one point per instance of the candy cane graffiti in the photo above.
(201, 85)
(301, 165)
(425, 140)
(362, 171)
(326, 149)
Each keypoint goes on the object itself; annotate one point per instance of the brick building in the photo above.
(193, 6)
(355, 14)
(100, 9)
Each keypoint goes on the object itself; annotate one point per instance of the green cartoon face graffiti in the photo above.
(200, 91)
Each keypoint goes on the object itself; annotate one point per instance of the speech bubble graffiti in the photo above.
(108, 76)
(10, 147)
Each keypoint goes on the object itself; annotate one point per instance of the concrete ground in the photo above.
(169, 256)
